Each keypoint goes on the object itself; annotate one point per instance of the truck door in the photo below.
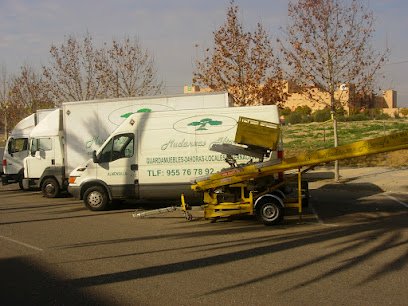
(42, 156)
(118, 166)
(16, 151)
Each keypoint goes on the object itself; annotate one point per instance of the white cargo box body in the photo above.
(174, 148)
(87, 124)
(170, 149)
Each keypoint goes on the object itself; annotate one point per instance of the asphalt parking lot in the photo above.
(351, 248)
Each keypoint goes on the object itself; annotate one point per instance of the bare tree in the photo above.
(4, 97)
(328, 43)
(242, 63)
(72, 74)
(80, 71)
(27, 93)
(128, 70)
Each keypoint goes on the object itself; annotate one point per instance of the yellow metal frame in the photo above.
(246, 205)
(214, 210)
(297, 203)
(258, 133)
(392, 142)
(240, 176)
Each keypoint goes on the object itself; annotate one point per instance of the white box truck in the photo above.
(155, 155)
(67, 138)
(16, 148)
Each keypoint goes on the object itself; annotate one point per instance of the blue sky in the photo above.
(170, 30)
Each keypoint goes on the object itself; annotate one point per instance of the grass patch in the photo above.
(310, 137)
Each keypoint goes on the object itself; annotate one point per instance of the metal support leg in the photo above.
(300, 194)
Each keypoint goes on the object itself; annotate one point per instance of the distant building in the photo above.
(190, 89)
(345, 95)
(316, 99)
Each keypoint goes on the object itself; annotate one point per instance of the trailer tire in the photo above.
(96, 198)
(270, 211)
(50, 188)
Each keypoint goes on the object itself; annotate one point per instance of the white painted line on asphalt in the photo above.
(396, 200)
(21, 243)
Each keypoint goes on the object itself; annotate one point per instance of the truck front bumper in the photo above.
(8, 178)
(30, 183)
(75, 191)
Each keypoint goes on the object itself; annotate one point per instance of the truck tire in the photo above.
(20, 183)
(20, 179)
(50, 188)
(270, 211)
(96, 198)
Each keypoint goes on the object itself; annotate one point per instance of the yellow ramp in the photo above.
(391, 142)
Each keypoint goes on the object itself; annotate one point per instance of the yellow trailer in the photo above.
(256, 189)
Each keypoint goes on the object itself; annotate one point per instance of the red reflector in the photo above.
(4, 162)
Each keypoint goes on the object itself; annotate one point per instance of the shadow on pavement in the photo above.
(24, 282)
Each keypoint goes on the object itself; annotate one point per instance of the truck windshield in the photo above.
(40, 144)
(17, 145)
(120, 146)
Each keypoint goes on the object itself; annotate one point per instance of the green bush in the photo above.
(321, 115)
(358, 117)
(304, 110)
(285, 111)
(293, 118)
(303, 114)
(404, 112)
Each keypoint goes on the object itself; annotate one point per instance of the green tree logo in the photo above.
(142, 110)
(201, 125)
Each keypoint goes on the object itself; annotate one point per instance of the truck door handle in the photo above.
(134, 167)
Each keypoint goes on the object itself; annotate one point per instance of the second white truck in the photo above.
(67, 137)
(16, 148)
(155, 155)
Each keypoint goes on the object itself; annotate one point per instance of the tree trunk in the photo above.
(5, 124)
(336, 143)
(336, 139)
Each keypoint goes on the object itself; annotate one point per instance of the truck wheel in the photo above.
(20, 183)
(96, 198)
(270, 211)
(20, 179)
(50, 188)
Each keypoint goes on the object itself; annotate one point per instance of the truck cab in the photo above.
(17, 148)
(45, 163)
(15, 151)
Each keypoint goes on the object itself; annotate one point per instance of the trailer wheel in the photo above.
(270, 211)
(96, 198)
(50, 188)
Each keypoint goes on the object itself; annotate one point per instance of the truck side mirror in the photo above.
(94, 158)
